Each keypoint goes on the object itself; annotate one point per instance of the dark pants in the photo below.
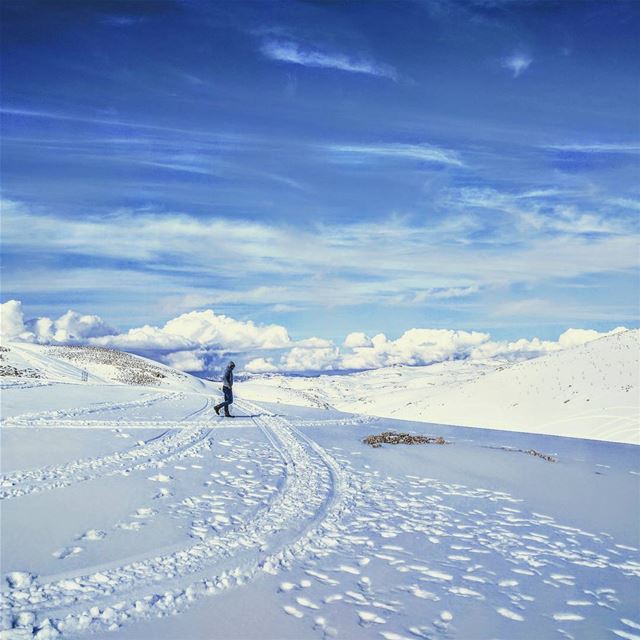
(228, 398)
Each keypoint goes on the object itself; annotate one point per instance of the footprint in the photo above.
(335, 597)
(160, 477)
(625, 635)
(305, 602)
(321, 577)
(67, 551)
(567, 617)
(93, 534)
(130, 526)
(508, 583)
(292, 611)
(144, 512)
(512, 615)
(368, 617)
(347, 569)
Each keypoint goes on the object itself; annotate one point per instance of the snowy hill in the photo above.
(590, 391)
(90, 364)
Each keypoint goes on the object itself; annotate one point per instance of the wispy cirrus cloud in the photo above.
(597, 147)
(114, 122)
(422, 262)
(549, 211)
(517, 63)
(417, 152)
(292, 52)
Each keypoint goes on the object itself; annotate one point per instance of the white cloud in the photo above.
(288, 51)
(314, 343)
(69, 327)
(304, 359)
(418, 347)
(11, 319)
(414, 347)
(417, 152)
(185, 361)
(535, 211)
(189, 331)
(201, 329)
(410, 256)
(208, 328)
(357, 339)
(576, 337)
(190, 340)
(518, 63)
(260, 365)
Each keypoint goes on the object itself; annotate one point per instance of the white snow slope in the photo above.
(590, 391)
(133, 511)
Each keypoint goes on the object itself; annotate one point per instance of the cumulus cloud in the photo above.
(260, 365)
(69, 327)
(413, 347)
(184, 334)
(303, 359)
(517, 62)
(288, 51)
(185, 361)
(357, 339)
(314, 343)
(416, 347)
(11, 319)
(197, 341)
(208, 328)
(201, 329)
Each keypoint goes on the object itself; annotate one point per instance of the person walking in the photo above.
(227, 384)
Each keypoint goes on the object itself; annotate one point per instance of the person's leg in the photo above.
(228, 400)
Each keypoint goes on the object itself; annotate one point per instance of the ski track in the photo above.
(336, 524)
(46, 417)
(171, 445)
(312, 498)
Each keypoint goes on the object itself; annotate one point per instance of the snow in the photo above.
(133, 511)
(588, 391)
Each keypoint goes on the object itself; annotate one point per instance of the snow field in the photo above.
(164, 516)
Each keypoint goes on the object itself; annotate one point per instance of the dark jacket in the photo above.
(227, 378)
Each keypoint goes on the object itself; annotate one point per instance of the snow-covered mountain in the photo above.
(589, 391)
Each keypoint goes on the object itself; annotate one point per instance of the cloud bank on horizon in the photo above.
(200, 341)
(325, 167)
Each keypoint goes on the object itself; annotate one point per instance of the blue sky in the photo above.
(326, 166)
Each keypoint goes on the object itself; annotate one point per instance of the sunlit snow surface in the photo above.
(122, 506)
